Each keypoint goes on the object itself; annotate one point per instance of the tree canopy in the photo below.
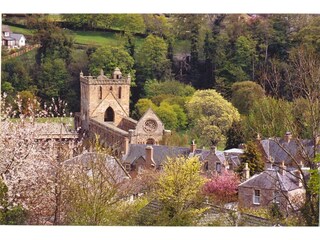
(211, 116)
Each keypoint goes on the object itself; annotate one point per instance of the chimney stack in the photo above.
(282, 168)
(125, 146)
(298, 176)
(193, 146)
(149, 153)
(246, 172)
(269, 163)
(288, 137)
(214, 148)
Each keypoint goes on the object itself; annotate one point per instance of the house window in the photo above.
(256, 197)
(276, 197)
(206, 166)
(218, 167)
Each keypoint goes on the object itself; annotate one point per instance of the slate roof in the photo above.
(272, 147)
(113, 165)
(270, 179)
(17, 36)
(160, 152)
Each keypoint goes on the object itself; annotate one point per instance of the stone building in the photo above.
(105, 111)
(272, 186)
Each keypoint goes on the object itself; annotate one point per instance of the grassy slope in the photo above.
(21, 30)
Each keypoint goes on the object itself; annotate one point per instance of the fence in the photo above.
(20, 52)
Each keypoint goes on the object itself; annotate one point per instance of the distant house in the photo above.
(147, 157)
(12, 40)
(289, 150)
(272, 186)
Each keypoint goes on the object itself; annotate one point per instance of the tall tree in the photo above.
(244, 94)
(108, 58)
(54, 42)
(180, 201)
(211, 115)
(253, 157)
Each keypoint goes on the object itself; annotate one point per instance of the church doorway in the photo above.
(109, 115)
(150, 141)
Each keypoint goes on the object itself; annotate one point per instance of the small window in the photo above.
(256, 197)
(100, 92)
(276, 197)
(218, 167)
(206, 166)
(119, 93)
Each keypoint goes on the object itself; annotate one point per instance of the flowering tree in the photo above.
(222, 187)
(30, 160)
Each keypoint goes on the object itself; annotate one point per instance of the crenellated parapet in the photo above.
(116, 79)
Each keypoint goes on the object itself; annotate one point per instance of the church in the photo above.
(105, 111)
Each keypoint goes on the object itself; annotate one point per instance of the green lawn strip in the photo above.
(65, 120)
(20, 30)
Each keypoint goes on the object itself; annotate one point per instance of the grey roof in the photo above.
(201, 153)
(272, 179)
(113, 165)
(160, 152)
(276, 148)
(17, 36)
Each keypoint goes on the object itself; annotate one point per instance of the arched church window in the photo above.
(119, 92)
(109, 115)
(100, 92)
(150, 141)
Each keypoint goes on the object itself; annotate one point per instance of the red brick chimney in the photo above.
(282, 168)
(193, 146)
(298, 176)
(149, 153)
(288, 137)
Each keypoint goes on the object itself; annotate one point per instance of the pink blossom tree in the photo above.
(30, 161)
(223, 187)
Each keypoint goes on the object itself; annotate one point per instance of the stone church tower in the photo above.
(105, 112)
(104, 99)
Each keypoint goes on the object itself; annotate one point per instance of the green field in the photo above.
(24, 31)
(106, 39)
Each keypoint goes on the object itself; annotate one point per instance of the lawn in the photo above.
(106, 39)
(24, 31)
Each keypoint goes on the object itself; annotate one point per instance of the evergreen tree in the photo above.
(253, 157)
